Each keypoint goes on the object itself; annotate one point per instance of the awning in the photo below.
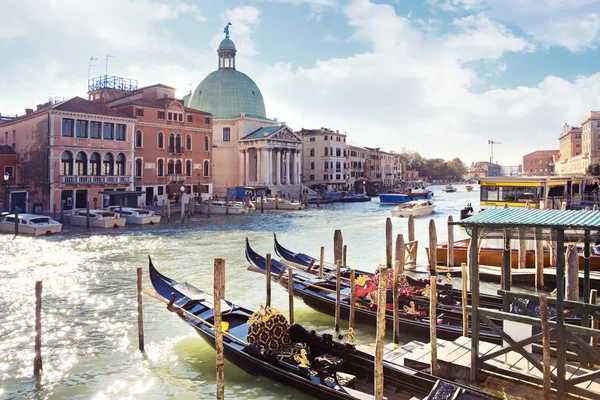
(119, 193)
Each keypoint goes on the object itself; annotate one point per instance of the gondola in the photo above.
(326, 368)
(301, 259)
(320, 295)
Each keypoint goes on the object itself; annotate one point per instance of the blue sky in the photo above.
(440, 77)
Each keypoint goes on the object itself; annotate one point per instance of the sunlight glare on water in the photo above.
(89, 342)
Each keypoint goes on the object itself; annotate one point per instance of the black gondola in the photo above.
(319, 379)
(317, 293)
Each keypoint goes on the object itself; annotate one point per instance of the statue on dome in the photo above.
(226, 30)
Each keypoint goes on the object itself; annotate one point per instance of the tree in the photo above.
(594, 169)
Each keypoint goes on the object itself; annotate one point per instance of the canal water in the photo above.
(90, 347)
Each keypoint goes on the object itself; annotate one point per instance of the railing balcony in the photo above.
(177, 177)
(95, 179)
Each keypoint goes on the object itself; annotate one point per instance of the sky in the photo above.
(440, 77)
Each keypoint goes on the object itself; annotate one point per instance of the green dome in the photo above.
(226, 93)
(227, 44)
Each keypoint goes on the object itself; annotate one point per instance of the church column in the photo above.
(278, 156)
(287, 166)
(242, 175)
(268, 159)
(247, 170)
(298, 166)
(258, 166)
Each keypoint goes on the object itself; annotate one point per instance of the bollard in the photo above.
(140, 310)
(219, 294)
(37, 361)
(380, 335)
(268, 274)
(433, 323)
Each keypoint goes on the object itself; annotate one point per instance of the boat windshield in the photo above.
(106, 214)
(40, 220)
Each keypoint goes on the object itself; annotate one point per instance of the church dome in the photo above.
(227, 92)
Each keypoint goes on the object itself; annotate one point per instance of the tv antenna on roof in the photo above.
(492, 143)
(91, 64)
(107, 57)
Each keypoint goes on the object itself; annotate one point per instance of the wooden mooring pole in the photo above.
(321, 261)
(291, 294)
(168, 210)
(396, 304)
(352, 301)
(219, 294)
(338, 245)
(399, 256)
(411, 228)
(539, 259)
(572, 272)
(547, 387)
(433, 321)
(344, 253)
(338, 281)
(465, 299)
(182, 209)
(432, 248)
(87, 215)
(522, 248)
(140, 310)
(388, 242)
(380, 336)
(450, 257)
(268, 273)
(593, 300)
(37, 360)
(17, 221)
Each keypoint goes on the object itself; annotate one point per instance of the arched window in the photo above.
(172, 143)
(138, 167)
(331, 151)
(178, 167)
(171, 167)
(66, 161)
(178, 143)
(121, 164)
(206, 170)
(206, 143)
(81, 164)
(161, 140)
(326, 151)
(161, 167)
(109, 168)
(188, 142)
(312, 165)
(95, 164)
(312, 152)
(188, 168)
(138, 139)
(338, 152)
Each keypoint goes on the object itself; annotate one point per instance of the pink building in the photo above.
(70, 152)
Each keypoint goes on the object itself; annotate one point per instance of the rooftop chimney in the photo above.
(28, 111)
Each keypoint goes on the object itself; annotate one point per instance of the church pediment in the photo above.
(285, 134)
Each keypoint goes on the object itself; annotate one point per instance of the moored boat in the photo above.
(137, 216)
(30, 224)
(469, 188)
(354, 198)
(449, 189)
(416, 208)
(272, 203)
(263, 343)
(98, 218)
(222, 207)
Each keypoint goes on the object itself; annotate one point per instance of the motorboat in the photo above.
(449, 189)
(272, 203)
(30, 224)
(137, 216)
(403, 195)
(354, 197)
(223, 207)
(98, 218)
(469, 188)
(417, 208)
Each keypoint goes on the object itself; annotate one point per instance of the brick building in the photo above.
(539, 162)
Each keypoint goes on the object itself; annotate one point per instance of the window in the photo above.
(190, 118)
(206, 120)
(161, 167)
(81, 164)
(325, 177)
(312, 152)
(121, 164)
(311, 177)
(138, 139)
(325, 137)
(67, 127)
(172, 143)
(188, 142)
(312, 165)
(180, 117)
(139, 112)
(160, 190)
(95, 164)
(337, 139)
(178, 167)
(95, 130)
(226, 134)
(120, 132)
(326, 151)
(337, 176)
(206, 170)
(161, 140)
(81, 129)
(108, 131)
(337, 166)
(161, 115)
(170, 116)
(178, 143)
(171, 167)
(188, 168)
(108, 162)
(312, 139)
(66, 163)
(338, 152)
(138, 167)
(206, 143)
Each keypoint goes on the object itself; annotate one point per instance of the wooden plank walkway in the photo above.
(454, 360)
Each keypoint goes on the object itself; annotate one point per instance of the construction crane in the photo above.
(492, 143)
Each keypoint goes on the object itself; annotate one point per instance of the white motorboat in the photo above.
(98, 218)
(271, 203)
(449, 189)
(30, 224)
(416, 208)
(137, 216)
(222, 207)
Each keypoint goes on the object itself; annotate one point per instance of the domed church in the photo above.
(249, 149)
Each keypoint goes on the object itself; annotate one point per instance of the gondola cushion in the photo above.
(268, 329)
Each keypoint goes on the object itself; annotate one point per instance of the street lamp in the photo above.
(182, 190)
(6, 178)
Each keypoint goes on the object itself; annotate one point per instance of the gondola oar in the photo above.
(152, 293)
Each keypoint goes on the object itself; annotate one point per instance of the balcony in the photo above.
(94, 180)
(177, 177)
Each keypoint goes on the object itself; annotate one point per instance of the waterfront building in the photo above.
(480, 169)
(172, 142)
(68, 153)
(8, 167)
(579, 146)
(356, 165)
(540, 163)
(324, 158)
(411, 175)
(248, 148)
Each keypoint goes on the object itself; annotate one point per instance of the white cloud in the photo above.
(12, 27)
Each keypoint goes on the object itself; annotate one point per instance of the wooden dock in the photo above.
(505, 371)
